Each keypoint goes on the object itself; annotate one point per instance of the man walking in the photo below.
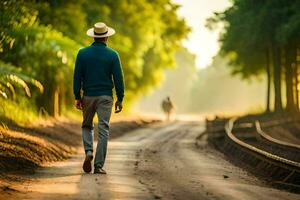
(97, 70)
(167, 107)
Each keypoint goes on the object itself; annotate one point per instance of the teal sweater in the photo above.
(97, 70)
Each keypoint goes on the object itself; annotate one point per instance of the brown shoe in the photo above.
(87, 164)
(99, 171)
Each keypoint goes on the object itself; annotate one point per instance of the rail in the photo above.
(229, 128)
(274, 140)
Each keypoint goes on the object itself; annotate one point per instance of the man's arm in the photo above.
(119, 82)
(77, 81)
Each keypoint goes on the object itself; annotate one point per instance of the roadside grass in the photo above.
(24, 113)
(72, 114)
(20, 113)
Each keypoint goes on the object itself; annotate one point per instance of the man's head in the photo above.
(100, 32)
(104, 39)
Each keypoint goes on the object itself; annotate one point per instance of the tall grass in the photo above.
(21, 112)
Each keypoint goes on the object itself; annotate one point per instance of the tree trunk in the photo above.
(56, 104)
(295, 87)
(290, 103)
(277, 78)
(296, 78)
(268, 70)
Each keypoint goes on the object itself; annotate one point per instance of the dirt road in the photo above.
(158, 162)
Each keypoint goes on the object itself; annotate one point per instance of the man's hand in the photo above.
(78, 104)
(118, 106)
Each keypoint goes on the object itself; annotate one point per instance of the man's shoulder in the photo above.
(112, 51)
(84, 49)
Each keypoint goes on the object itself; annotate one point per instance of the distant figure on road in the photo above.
(97, 70)
(167, 107)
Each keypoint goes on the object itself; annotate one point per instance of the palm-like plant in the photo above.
(12, 77)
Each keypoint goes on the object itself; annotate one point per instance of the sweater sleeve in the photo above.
(117, 73)
(77, 79)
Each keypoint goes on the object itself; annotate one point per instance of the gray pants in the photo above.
(101, 105)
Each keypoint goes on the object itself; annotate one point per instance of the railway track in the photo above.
(278, 161)
(248, 146)
(288, 145)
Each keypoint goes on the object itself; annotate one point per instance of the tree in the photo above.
(262, 42)
(43, 37)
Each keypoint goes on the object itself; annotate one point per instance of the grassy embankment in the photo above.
(29, 138)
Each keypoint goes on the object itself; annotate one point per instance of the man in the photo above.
(167, 107)
(97, 70)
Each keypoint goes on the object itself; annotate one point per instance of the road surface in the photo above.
(157, 162)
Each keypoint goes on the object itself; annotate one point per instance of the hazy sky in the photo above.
(201, 41)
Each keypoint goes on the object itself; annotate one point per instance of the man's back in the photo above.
(97, 67)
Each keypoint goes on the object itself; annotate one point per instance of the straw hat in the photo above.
(100, 30)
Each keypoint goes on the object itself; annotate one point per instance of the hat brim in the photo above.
(110, 32)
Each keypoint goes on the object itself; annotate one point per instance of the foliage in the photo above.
(12, 77)
(241, 41)
(263, 36)
(43, 37)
